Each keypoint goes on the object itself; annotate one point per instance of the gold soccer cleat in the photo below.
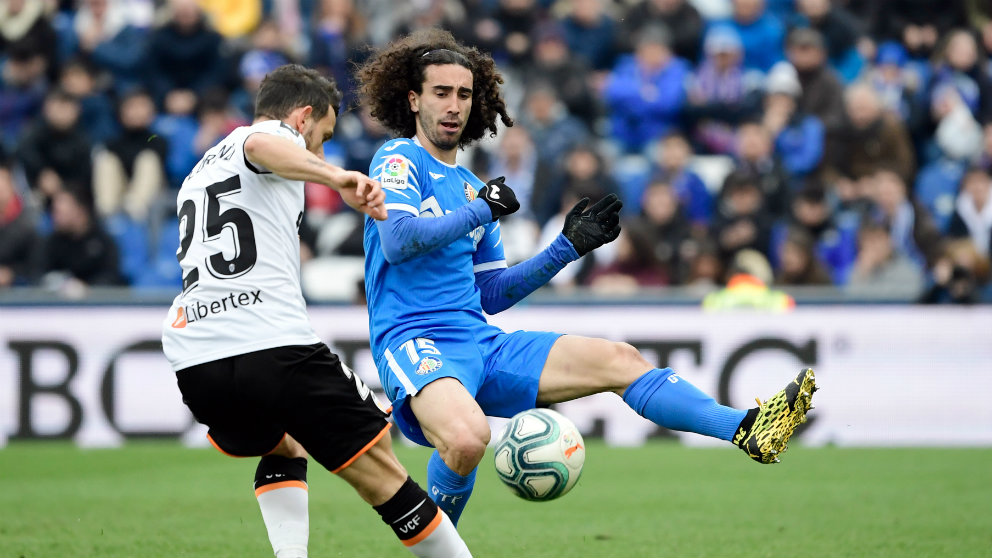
(777, 418)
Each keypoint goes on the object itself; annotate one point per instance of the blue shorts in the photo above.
(501, 370)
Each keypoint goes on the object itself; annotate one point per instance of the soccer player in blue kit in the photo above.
(436, 265)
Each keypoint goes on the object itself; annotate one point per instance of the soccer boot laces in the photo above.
(776, 419)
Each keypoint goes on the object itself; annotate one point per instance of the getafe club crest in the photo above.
(469, 192)
(428, 365)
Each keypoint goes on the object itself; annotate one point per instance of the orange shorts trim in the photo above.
(427, 530)
(277, 485)
(365, 449)
(220, 449)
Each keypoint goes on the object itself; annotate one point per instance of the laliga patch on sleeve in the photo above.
(395, 172)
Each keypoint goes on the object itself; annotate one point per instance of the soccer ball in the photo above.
(539, 455)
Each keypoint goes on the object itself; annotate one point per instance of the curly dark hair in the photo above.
(391, 73)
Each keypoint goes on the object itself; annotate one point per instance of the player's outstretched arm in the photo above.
(584, 231)
(404, 236)
(288, 160)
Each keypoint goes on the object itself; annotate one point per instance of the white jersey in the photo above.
(240, 255)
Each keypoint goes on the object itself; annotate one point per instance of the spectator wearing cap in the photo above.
(822, 90)
(870, 139)
(799, 136)
(645, 92)
(761, 33)
(973, 211)
(679, 16)
(721, 92)
(895, 83)
(591, 33)
(569, 75)
(841, 32)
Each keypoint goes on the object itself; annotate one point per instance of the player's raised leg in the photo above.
(282, 493)
(454, 423)
(580, 366)
(421, 526)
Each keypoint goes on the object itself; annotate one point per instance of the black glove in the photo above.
(500, 198)
(588, 229)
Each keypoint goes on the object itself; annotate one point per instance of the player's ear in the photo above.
(412, 97)
(304, 116)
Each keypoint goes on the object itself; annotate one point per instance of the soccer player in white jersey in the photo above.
(436, 265)
(247, 360)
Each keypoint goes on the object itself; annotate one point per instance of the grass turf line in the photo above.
(160, 499)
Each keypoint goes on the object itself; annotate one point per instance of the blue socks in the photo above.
(449, 490)
(668, 400)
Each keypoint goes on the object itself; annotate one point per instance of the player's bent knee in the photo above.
(463, 446)
(624, 365)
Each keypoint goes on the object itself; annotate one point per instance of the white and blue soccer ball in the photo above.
(539, 455)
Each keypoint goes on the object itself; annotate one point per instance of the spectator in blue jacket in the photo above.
(721, 92)
(836, 241)
(645, 91)
(22, 91)
(590, 33)
(114, 38)
(96, 110)
(761, 33)
(799, 137)
(841, 32)
(672, 166)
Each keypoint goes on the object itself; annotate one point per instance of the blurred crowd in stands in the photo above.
(849, 142)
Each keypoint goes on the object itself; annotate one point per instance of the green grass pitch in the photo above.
(160, 499)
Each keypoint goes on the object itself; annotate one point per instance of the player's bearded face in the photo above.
(316, 132)
(444, 105)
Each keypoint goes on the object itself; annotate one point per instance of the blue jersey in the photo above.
(438, 288)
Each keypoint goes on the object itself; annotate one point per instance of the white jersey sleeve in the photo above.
(240, 256)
